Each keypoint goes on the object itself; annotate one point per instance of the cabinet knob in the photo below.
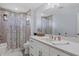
(77, 33)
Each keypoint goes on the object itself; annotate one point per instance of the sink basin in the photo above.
(55, 42)
(62, 42)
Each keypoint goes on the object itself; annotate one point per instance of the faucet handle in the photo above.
(65, 33)
(77, 33)
(59, 33)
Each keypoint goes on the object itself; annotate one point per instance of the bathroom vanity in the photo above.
(42, 46)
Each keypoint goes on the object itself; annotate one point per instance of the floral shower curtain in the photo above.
(18, 30)
(2, 29)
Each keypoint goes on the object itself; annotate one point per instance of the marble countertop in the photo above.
(72, 48)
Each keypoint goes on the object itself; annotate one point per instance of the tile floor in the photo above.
(13, 52)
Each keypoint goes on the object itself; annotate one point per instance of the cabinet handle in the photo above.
(40, 53)
(31, 54)
(31, 41)
(31, 47)
(58, 55)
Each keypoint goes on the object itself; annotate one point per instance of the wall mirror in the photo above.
(62, 19)
(46, 24)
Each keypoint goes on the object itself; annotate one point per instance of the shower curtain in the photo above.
(2, 29)
(18, 30)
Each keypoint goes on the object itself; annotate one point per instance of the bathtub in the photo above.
(3, 48)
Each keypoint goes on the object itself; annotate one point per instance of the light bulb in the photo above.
(49, 3)
(27, 19)
(16, 8)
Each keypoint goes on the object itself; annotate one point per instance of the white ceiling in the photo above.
(62, 8)
(20, 7)
(24, 7)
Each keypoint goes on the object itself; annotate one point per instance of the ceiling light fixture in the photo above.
(49, 3)
(53, 5)
(16, 8)
(27, 19)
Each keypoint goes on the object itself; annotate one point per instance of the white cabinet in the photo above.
(57, 52)
(34, 49)
(45, 50)
(40, 49)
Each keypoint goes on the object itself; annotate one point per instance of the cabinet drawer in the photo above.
(34, 50)
(57, 52)
(33, 41)
(39, 48)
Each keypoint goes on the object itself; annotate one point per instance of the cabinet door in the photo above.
(38, 49)
(44, 49)
(34, 48)
(31, 51)
(56, 52)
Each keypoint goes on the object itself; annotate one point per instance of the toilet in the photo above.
(26, 48)
(3, 48)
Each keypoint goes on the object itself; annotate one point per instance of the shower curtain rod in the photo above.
(1, 8)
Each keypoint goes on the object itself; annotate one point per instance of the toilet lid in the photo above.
(26, 44)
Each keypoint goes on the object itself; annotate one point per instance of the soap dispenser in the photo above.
(59, 36)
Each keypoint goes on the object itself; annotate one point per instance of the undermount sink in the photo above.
(62, 42)
(55, 42)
